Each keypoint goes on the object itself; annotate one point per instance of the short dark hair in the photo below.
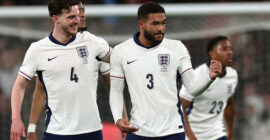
(214, 41)
(55, 7)
(147, 8)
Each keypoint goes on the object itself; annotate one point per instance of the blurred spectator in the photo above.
(9, 53)
(254, 108)
(8, 70)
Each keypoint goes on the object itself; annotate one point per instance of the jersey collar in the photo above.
(136, 40)
(59, 43)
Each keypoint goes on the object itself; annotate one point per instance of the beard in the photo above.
(152, 39)
(81, 29)
(67, 31)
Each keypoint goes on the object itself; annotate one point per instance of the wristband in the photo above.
(31, 128)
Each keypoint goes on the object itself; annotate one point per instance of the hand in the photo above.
(123, 125)
(32, 136)
(215, 69)
(17, 129)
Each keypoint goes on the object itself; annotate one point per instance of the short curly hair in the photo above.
(55, 7)
(148, 8)
(213, 42)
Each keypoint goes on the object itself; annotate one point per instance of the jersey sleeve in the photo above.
(184, 94)
(184, 62)
(104, 50)
(104, 68)
(117, 71)
(183, 91)
(195, 83)
(29, 65)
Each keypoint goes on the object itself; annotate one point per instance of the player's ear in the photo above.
(54, 18)
(140, 24)
(212, 54)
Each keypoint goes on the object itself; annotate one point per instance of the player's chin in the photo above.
(158, 39)
(227, 64)
(73, 31)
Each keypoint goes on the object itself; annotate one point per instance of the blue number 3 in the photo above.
(151, 81)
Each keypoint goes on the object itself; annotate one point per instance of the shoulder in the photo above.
(40, 43)
(90, 37)
(231, 72)
(123, 46)
(175, 45)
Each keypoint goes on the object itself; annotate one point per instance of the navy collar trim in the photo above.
(59, 43)
(136, 40)
(208, 64)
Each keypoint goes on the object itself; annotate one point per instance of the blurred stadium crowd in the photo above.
(251, 60)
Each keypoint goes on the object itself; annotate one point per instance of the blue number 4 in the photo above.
(73, 76)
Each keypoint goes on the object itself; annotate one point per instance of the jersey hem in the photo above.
(162, 134)
(73, 133)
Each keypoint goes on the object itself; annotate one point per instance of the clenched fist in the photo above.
(215, 69)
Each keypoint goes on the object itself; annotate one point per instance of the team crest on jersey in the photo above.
(164, 61)
(83, 53)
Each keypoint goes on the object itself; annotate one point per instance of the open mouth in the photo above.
(230, 60)
(159, 35)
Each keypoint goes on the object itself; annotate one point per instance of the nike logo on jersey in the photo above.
(50, 59)
(129, 62)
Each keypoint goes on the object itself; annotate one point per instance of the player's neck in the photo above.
(144, 41)
(61, 36)
(223, 71)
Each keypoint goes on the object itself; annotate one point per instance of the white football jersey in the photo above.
(206, 112)
(69, 75)
(104, 68)
(151, 76)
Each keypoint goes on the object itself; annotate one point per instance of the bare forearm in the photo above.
(37, 104)
(17, 96)
(106, 77)
(16, 103)
(189, 133)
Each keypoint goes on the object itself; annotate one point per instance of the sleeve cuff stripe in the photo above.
(117, 77)
(25, 75)
(103, 72)
(185, 71)
(110, 50)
